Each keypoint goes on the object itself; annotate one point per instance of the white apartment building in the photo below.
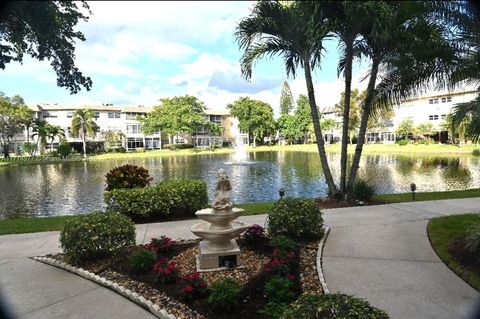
(431, 107)
(109, 117)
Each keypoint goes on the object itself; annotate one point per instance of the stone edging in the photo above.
(319, 261)
(127, 293)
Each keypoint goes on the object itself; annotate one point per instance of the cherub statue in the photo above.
(223, 188)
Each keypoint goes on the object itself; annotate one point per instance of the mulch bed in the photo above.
(251, 276)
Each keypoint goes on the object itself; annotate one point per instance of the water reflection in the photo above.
(74, 188)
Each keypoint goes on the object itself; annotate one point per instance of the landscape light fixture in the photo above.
(281, 192)
(413, 188)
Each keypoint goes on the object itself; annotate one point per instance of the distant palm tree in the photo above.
(466, 118)
(288, 30)
(54, 131)
(40, 131)
(83, 125)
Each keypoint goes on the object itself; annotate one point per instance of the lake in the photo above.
(76, 187)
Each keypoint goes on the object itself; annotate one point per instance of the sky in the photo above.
(139, 52)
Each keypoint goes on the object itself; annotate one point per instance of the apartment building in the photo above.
(109, 117)
(431, 107)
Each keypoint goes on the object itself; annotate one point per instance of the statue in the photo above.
(223, 188)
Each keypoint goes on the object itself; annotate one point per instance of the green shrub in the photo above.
(181, 198)
(274, 310)
(29, 148)
(182, 146)
(96, 235)
(362, 191)
(279, 289)
(126, 177)
(64, 149)
(140, 150)
(223, 294)
(296, 218)
(314, 306)
(283, 244)
(472, 242)
(403, 142)
(476, 152)
(142, 259)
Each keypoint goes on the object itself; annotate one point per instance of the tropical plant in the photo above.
(354, 114)
(289, 128)
(41, 132)
(468, 115)
(192, 286)
(426, 129)
(83, 125)
(362, 191)
(405, 127)
(45, 30)
(165, 271)
(64, 148)
(126, 177)
(29, 148)
(214, 129)
(288, 30)
(113, 139)
(303, 117)
(54, 131)
(254, 235)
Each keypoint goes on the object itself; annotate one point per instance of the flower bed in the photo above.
(174, 285)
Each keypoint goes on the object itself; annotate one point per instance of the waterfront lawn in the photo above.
(407, 197)
(32, 224)
(445, 233)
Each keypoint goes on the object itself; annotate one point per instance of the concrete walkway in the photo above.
(380, 253)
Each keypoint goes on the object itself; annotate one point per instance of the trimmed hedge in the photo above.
(96, 235)
(174, 197)
(296, 218)
(313, 306)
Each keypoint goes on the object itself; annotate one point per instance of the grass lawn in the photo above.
(407, 197)
(442, 231)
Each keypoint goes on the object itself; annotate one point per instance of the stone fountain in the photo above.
(219, 229)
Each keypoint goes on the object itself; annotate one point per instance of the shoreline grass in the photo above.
(442, 231)
(433, 150)
(55, 223)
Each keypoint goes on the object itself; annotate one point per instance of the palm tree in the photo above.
(408, 44)
(83, 125)
(466, 116)
(40, 130)
(288, 30)
(54, 131)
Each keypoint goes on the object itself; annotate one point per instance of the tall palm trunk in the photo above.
(346, 117)
(332, 189)
(84, 131)
(367, 108)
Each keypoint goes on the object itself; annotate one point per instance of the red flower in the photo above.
(188, 288)
(291, 254)
(291, 277)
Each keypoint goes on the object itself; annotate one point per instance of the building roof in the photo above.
(117, 108)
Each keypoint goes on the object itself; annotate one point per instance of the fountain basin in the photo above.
(219, 239)
(220, 220)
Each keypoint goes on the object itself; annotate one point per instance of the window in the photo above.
(430, 117)
(430, 101)
(435, 117)
(216, 119)
(134, 129)
(435, 101)
(449, 99)
(69, 114)
(134, 142)
(47, 114)
(131, 115)
(96, 115)
(444, 116)
(444, 99)
(113, 115)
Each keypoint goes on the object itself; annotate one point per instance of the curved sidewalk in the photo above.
(383, 254)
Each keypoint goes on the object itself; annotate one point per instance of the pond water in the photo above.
(77, 187)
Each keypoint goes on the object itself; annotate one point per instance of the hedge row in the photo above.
(181, 198)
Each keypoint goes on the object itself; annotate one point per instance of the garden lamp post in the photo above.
(281, 192)
(413, 188)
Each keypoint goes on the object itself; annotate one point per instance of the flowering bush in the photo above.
(163, 246)
(127, 176)
(141, 259)
(254, 235)
(165, 271)
(192, 286)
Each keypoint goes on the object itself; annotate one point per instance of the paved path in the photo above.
(380, 253)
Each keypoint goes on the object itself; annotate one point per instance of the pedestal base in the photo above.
(213, 259)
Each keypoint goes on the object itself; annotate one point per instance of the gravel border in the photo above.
(147, 304)
(321, 245)
(127, 293)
